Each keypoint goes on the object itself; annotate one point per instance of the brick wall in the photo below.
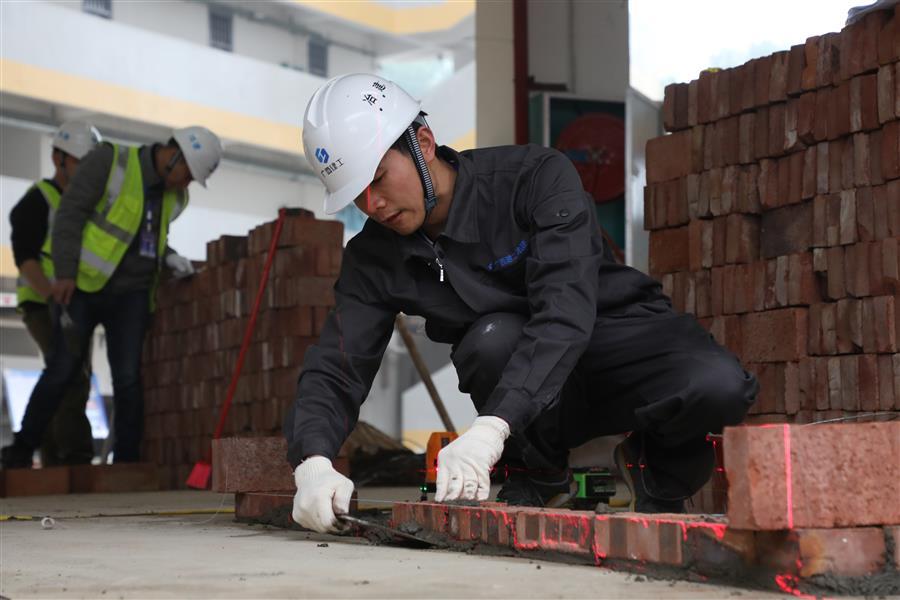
(199, 325)
(774, 216)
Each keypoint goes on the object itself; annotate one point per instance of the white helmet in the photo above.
(350, 123)
(202, 151)
(76, 138)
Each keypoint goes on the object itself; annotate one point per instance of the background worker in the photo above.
(68, 439)
(109, 246)
(500, 251)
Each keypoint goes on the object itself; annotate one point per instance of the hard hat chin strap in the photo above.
(413, 142)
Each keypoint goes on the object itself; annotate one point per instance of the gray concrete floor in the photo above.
(179, 555)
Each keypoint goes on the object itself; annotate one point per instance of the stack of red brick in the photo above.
(200, 324)
(774, 216)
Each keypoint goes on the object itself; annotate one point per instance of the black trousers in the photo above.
(654, 372)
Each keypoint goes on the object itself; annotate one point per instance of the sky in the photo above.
(673, 40)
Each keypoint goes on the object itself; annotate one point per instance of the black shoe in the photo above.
(634, 472)
(16, 456)
(550, 490)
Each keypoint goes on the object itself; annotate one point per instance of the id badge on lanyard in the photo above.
(148, 239)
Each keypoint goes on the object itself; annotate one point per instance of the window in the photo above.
(220, 30)
(101, 8)
(318, 57)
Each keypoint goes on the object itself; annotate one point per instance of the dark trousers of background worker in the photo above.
(125, 318)
(68, 439)
(653, 372)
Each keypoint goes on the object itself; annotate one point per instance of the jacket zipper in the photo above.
(437, 259)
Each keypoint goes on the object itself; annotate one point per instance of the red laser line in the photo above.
(788, 476)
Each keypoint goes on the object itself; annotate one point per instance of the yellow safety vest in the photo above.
(117, 219)
(24, 291)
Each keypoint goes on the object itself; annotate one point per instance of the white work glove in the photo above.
(322, 493)
(181, 266)
(464, 465)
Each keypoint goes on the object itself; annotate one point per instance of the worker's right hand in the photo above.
(62, 291)
(322, 493)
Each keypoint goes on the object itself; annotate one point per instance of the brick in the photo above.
(806, 119)
(778, 76)
(700, 236)
(669, 250)
(721, 98)
(786, 175)
(828, 59)
(797, 164)
(786, 230)
(120, 477)
(774, 336)
(305, 231)
(761, 480)
(848, 224)
(848, 165)
(849, 326)
(864, 103)
(269, 508)
(886, 388)
(876, 173)
(776, 135)
(806, 62)
(850, 383)
(835, 166)
(821, 114)
(868, 382)
(245, 464)
(761, 134)
(768, 184)
(890, 150)
(865, 215)
(675, 107)
(835, 281)
(802, 286)
(792, 141)
(839, 112)
(742, 239)
(692, 103)
(845, 552)
(670, 157)
(886, 324)
(35, 482)
(885, 93)
(746, 141)
(893, 533)
(856, 270)
(465, 523)
(861, 160)
(890, 264)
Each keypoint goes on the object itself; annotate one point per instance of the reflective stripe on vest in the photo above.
(118, 217)
(24, 291)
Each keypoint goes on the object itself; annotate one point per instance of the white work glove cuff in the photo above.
(311, 468)
(495, 424)
(181, 266)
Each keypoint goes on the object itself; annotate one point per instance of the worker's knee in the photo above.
(482, 354)
(490, 341)
(725, 393)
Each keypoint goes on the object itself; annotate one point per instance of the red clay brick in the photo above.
(692, 103)
(776, 129)
(36, 482)
(774, 336)
(868, 382)
(807, 491)
(839, 112)
(251, 464)
(894, 534)
(885, 93)
(890, 150)
(669, 250)
(786, 230)
(828, 59)
(820, 114)
(675, 107)
(778, 76)
(257, 506)
(862, 160)
(670, 157)
(864, 103)
(836, 284)
(122, 477)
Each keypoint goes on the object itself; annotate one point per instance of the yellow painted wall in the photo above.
(401, 17)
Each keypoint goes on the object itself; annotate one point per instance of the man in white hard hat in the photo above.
(68, 439)
(109, 246)
(556, 343)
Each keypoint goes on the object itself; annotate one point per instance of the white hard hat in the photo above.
(349, 124)
(202, 151)
(76, 138)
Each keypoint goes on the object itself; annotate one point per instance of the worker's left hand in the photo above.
(181, 266)
(464, 465)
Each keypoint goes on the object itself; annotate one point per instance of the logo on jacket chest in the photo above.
(509, 259)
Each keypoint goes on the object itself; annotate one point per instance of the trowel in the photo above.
(388, 533)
